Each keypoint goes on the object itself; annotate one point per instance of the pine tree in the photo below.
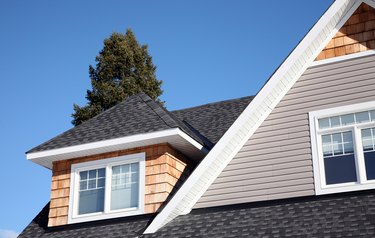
(123, 68)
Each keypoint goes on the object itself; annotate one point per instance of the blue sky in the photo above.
(205, 51)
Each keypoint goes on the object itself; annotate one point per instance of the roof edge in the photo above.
(45, 158)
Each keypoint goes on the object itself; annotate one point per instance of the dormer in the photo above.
(126, 161)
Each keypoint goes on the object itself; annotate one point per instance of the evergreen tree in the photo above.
(123, 68)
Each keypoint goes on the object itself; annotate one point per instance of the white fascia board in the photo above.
(254, 114)
(102, 145)
(343, 58)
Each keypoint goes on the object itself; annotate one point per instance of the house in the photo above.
(296, 160)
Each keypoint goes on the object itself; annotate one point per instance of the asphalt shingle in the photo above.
(337, 215)
(137, 114)
(214, 119)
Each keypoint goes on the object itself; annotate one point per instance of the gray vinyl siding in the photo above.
(276, 162)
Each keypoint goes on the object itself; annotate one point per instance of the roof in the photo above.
(213, 120)
(137, 114)
(339, 215)
(131, 226)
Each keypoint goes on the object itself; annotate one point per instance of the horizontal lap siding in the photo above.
(276, 162)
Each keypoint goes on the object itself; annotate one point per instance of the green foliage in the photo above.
(123, 68)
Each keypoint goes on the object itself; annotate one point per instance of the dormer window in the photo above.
(107, 188)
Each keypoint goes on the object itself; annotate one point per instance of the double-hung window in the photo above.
(107, 188)
(343, 148)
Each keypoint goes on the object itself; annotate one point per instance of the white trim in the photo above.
(342, 58)
(108, 145)
(318, 165)
(330, 112)
(255, 113)
(73, 217)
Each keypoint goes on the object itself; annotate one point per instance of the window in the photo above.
(343, 148)
(107, 188)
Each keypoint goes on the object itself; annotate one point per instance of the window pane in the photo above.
(372, 114)
(327, 150)
(367, 139)
(92, 183)
(336, 138)
(348, 142)
(340, 169)
(91, 201)
(83, 185)
(348, 148)
(326, 139)
(83, 175)
(324, 123)
(101, 183)
(347, 119)
(368, 143)
(335, 121)
(91, 191)
(337, 144)
(101, 173)
(92, 173)
(362, 117)
(370, 164)
(125, 186)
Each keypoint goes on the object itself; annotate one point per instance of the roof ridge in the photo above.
(212, 103)
(172, 121)
(156, 108)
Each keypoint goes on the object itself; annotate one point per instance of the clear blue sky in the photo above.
(205, 51)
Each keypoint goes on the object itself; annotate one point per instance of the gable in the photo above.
(356, 35)
(276, 162)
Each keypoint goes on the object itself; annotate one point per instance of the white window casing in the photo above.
(333, 119)
(74, 217)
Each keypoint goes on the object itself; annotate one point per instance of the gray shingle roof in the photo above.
(137, 114)
(337, 215)
(214, 119)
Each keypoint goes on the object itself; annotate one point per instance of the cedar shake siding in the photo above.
(166, 170)
(276, 162)
(357, 35)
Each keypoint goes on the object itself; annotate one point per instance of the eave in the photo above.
(175, 137)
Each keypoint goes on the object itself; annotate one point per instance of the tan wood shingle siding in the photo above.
(166, 169)
(276, 162)
(357, 35)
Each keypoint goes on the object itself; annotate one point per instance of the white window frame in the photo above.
(73, 216)
(317, 154)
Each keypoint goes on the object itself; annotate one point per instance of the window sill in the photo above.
(345, 188)
(103, 216)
